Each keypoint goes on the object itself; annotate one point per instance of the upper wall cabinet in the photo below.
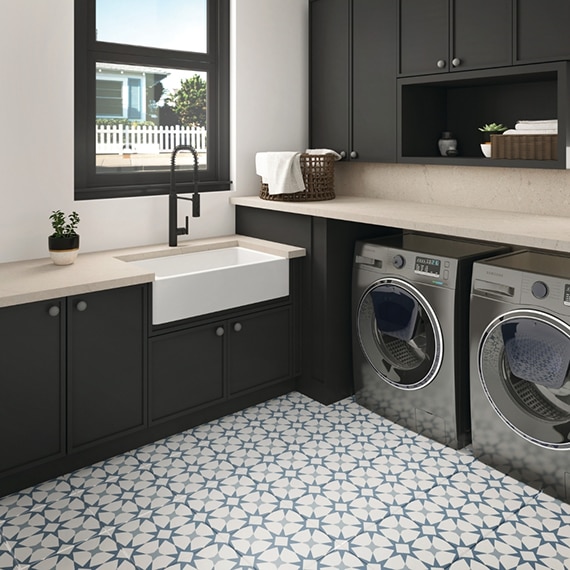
(542, 30)
(353, 55)
(438, 36)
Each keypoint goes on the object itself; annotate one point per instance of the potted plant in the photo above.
(63, 243)
(488, 130)
(492, 129)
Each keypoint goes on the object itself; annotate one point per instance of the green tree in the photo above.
(189, 102)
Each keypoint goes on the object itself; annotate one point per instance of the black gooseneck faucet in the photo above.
(173, 230)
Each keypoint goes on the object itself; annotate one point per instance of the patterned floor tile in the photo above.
(537, 539)
(50, 530)
(287, 484)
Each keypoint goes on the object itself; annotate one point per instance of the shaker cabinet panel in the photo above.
(424, 36)
(542, 30)
(31, 383)
(259, 349)
(481, 35)
(329, 74)
(105, 364)
(353, 47)
(186, 370)
(438, 36)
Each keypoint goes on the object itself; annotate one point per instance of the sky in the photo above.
(170, 24)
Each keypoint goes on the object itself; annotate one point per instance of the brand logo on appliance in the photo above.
(494, 273)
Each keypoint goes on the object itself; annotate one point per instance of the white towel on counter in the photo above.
(281, 171)
(323, 151)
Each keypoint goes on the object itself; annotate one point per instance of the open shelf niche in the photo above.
(464, 101)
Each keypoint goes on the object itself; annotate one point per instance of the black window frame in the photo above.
(92, 185)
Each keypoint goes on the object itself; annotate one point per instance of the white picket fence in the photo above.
(116, 139)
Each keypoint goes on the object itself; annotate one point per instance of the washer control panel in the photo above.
(413, 265)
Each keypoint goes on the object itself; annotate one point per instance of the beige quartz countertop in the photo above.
(527, 230)
(39, 279)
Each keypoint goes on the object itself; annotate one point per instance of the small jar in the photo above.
(447, 144)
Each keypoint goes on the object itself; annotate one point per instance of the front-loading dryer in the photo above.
(410, 325)
(520, 357)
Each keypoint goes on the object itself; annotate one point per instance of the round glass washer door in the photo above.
(399, 334)
(524, 360)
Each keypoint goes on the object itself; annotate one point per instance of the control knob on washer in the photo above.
(398, 261)
(539, 289)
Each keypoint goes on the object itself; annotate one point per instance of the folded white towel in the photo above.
(537, 125)
(545, 122)
(531, 132)
(323, 151)
(281, 171)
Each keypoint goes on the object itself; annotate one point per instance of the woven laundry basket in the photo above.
(318, 175)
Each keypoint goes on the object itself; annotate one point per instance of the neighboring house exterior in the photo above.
(121, 91)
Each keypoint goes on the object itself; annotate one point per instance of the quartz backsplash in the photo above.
(525, 190)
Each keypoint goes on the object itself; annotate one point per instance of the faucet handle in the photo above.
(184, 230)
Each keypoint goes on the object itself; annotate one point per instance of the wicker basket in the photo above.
(318, 175)
(524, 147)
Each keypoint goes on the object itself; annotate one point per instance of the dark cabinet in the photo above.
(202, 364)
(438, 36)
(542, 30)
(259, 349)
(186, 370)
(105, 364)
(32, 400)
(71, 375)
(326, 330)
(353, 78)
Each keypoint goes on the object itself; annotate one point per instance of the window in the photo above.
(150, 75)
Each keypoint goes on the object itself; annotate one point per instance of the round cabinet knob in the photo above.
(398, 261)
(237, 327)
(456, 62)
(353, 154)
(220, 331)
(539, 289)
(342, 154)
(441, 63)
(81, 306)
(53, 311)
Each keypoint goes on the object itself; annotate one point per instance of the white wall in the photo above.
(269, 111)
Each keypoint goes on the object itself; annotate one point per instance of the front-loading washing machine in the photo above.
(520, 356)
(410, 331)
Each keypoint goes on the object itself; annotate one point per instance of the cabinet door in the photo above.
(542, 30)
(259, 349)
(481, 35)
(105, 364)
(438, 36)
(186, 370)
(329, 74)
(374, 68)
(31, 384)
(424, 37)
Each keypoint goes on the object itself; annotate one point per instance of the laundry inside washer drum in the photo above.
(536, 352)
(396, 312)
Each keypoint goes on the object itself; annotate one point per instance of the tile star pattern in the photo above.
(289, 484)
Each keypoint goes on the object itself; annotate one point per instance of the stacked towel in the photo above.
(281, 171)
(545, 127)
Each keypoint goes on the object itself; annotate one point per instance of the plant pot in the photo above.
(486, 149)
(487, 135)
(63, 250)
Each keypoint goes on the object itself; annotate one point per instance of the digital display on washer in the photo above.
(427, 266)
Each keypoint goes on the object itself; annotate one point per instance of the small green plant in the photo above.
(493, 128)
(61, 227)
